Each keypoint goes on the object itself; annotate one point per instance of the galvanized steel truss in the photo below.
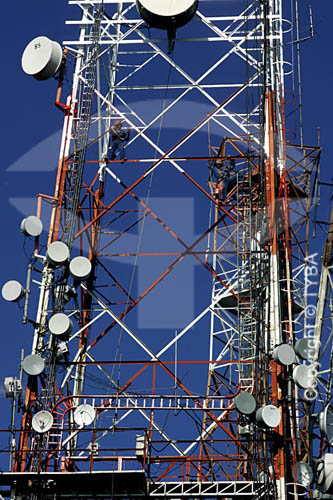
(201, 440)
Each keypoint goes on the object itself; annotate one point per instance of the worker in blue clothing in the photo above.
(118, 136)
(224, 170)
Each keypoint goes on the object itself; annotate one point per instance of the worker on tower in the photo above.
(224, 170)
(119, 136)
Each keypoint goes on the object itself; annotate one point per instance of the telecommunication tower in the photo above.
(232, 404)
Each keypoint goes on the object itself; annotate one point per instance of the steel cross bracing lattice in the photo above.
(89, 71)
(321, 330)
(194, 442)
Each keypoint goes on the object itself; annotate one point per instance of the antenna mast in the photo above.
(109, 410)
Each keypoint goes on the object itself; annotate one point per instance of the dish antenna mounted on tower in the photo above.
(168, 15)
(116, 402)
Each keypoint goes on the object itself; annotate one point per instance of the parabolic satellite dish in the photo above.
(57, 253)
(245, 403)
(33, 364)
(42, 421)
(42, 58)
(304, 474)
(84, 415)
(326, 423)
(167, 14)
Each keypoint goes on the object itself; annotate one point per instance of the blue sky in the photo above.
(29, 117)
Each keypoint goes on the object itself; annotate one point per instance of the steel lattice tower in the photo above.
(130, 418)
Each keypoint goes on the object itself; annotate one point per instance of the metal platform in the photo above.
(99, 484)
(120, 484)
(209, 489)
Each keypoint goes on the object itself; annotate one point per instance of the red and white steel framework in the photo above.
(252, 255)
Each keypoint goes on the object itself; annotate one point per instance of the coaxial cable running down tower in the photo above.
(192, 375)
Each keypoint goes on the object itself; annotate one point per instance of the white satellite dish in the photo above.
(324, 473)
(167, 14)
(12, 291)
(60, 325)
(268, 416)
(284, 354)
(84, 415)
(57, 253)
(304, 474)
(42, 58)
(80, 268)
(32, 226)
(326, 423)
(42, 421)
(304, 348)
(302, 376)
(245, 403)
(33, 364)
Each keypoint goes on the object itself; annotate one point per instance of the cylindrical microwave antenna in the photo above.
(167, 14)
(42, 58)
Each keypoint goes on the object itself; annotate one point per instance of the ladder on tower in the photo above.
(55, 438)
(83, 125)
(48, 443)
(246, 285)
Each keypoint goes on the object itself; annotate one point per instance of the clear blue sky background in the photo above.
(29, 116)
